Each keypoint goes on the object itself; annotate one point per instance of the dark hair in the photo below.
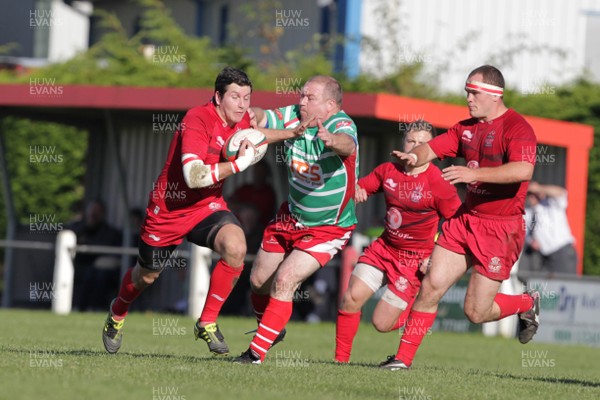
(229, 75)
(491, 75)
(418, 125)
(331, 88)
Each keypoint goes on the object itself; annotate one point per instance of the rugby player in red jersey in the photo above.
(487, 233)
(187, 201)
(416, 198)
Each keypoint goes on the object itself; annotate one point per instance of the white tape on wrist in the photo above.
(241, 163)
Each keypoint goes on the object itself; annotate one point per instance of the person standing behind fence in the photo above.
(187, 202)
(96, 275)
(550, 233)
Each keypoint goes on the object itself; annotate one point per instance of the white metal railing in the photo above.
(65, 248)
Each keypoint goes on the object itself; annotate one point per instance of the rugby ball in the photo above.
(232, 145)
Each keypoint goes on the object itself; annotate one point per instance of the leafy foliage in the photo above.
(46, 164)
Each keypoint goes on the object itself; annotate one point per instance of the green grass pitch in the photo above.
(44, 356)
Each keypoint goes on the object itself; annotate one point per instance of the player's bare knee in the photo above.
(284, 284)
(382, 325)
(234, 252)
(258, 283)
(475, 316)
(350, 303)
(148, 277)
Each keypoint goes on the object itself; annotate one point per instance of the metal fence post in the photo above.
(200, 261)
(64, 272)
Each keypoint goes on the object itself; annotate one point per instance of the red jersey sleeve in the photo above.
(447, 144)
(520, 142)
(372, 182)
(195, 135)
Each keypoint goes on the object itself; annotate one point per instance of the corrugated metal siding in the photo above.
(453, 37)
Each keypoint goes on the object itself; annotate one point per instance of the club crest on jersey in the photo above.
(489, 139)
(473, 164)
(401, 284)
(495, 265)
(467, 136)
(416, 195)
(393, 218)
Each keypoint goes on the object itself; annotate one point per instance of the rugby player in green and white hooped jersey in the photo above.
(321, 181)
(316, 222)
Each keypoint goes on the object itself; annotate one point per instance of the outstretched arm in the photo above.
(512, 172)
(417, 157)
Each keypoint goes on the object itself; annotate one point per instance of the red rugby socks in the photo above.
(345, 330)
(513, 304)
(259, 304)
(417, 326)
(276, 316)
(127, 293)
(222, 281)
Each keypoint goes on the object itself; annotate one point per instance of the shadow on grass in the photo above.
(100, 353)
(477, 372)
(543, 379)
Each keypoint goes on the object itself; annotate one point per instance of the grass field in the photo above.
(44, 356)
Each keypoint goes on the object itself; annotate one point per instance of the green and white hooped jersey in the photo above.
(322, 183)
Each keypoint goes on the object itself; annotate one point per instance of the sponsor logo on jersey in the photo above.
(309, 173)
(393, 218)
(220, 141)
(401, 284)
(214, 206)
(342, 124)
(272, 240)
(489, 139)
(390, 184)
(467, 136)
(279, 114)
(156, 209)
(154, 237)
(495, 265)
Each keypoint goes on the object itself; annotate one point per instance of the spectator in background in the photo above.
(96, 275)
(548, 228)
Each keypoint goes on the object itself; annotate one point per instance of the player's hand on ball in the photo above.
(360, 195)
(247, 148)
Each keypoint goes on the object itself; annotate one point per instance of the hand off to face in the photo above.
(323, 134)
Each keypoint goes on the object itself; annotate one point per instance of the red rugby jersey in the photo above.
(414, 204)
(507, 138)
(202, 133)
